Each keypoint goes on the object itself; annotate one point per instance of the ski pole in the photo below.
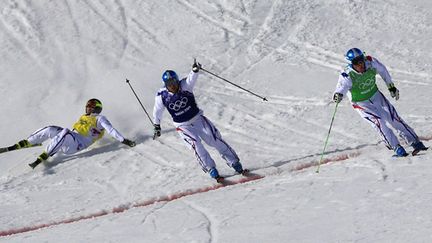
(238, 86)
(328, 135)
(127, 81)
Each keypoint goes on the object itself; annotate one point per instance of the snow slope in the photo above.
(58, 54)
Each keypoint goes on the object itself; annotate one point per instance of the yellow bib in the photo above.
(87, 126)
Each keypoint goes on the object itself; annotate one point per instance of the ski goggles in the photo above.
(93, 105)
(358, 60)
(171, 81)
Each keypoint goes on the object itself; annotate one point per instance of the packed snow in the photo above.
(58, 54)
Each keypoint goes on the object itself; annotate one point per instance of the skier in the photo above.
(88, 129)
(177, 96)
(359, 78)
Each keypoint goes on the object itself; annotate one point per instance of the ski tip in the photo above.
(401, 156)
(245, 172)
(265, 99)
(3, 150)
(220, 179)
(415, 152)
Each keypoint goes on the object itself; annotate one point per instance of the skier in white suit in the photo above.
(88, 129)
(359, 79)
(177, 96)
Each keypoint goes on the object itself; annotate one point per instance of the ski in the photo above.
(6, 149)
(34, 164)
(416, 151)
(245, 172)
(220, 179)
(246, 176)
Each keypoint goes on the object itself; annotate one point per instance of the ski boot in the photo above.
(44, 156)
(215, 175)
(21, 144)
(400, 151)
(237, 166)
(418, 146)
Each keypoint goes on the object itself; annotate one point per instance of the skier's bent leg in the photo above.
(387, 135)
(376, 118)
(194, 143)
(36, 138)
(43, 134)
(404, 130)
(212, 137)
(64, 141)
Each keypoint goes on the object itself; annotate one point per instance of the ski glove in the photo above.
(129, 143)
(196, 66)
(337, 97)
(157, 131)
(394, 92)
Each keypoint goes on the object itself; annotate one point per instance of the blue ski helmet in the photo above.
(354, 53)
(170, 75)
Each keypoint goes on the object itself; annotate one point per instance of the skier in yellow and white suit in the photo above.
(88, 129)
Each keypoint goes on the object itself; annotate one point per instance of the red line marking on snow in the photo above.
(168, 198)
(340, 157)
(123, 208)
(426, 138)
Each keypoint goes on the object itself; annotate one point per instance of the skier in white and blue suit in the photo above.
(177, 96)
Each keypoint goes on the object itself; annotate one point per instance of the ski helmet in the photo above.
(170, 76)
(354, 55)
(93, 106)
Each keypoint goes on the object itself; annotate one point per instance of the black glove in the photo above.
(157, 131)
(196, 66)
(129, 143)
(394, 92)
(337, 97)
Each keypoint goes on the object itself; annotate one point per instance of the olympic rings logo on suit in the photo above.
(179, 104)
(367, 83)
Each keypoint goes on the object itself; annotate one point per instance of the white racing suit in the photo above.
(87, 130)
(377, 110)
(191, 124)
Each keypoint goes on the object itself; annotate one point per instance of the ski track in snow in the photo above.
(20, 30)
(203, 15)
(152, 38)
(156, 208)
(121, 31)
(211, 223)
(260, 37)
(78, 34)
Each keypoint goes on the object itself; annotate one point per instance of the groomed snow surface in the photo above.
(55, 55)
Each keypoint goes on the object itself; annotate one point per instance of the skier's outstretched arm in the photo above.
(102, 122)
(190, 81)
(382, 71)
(343, 86)
(158, 110)
(385, 75)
